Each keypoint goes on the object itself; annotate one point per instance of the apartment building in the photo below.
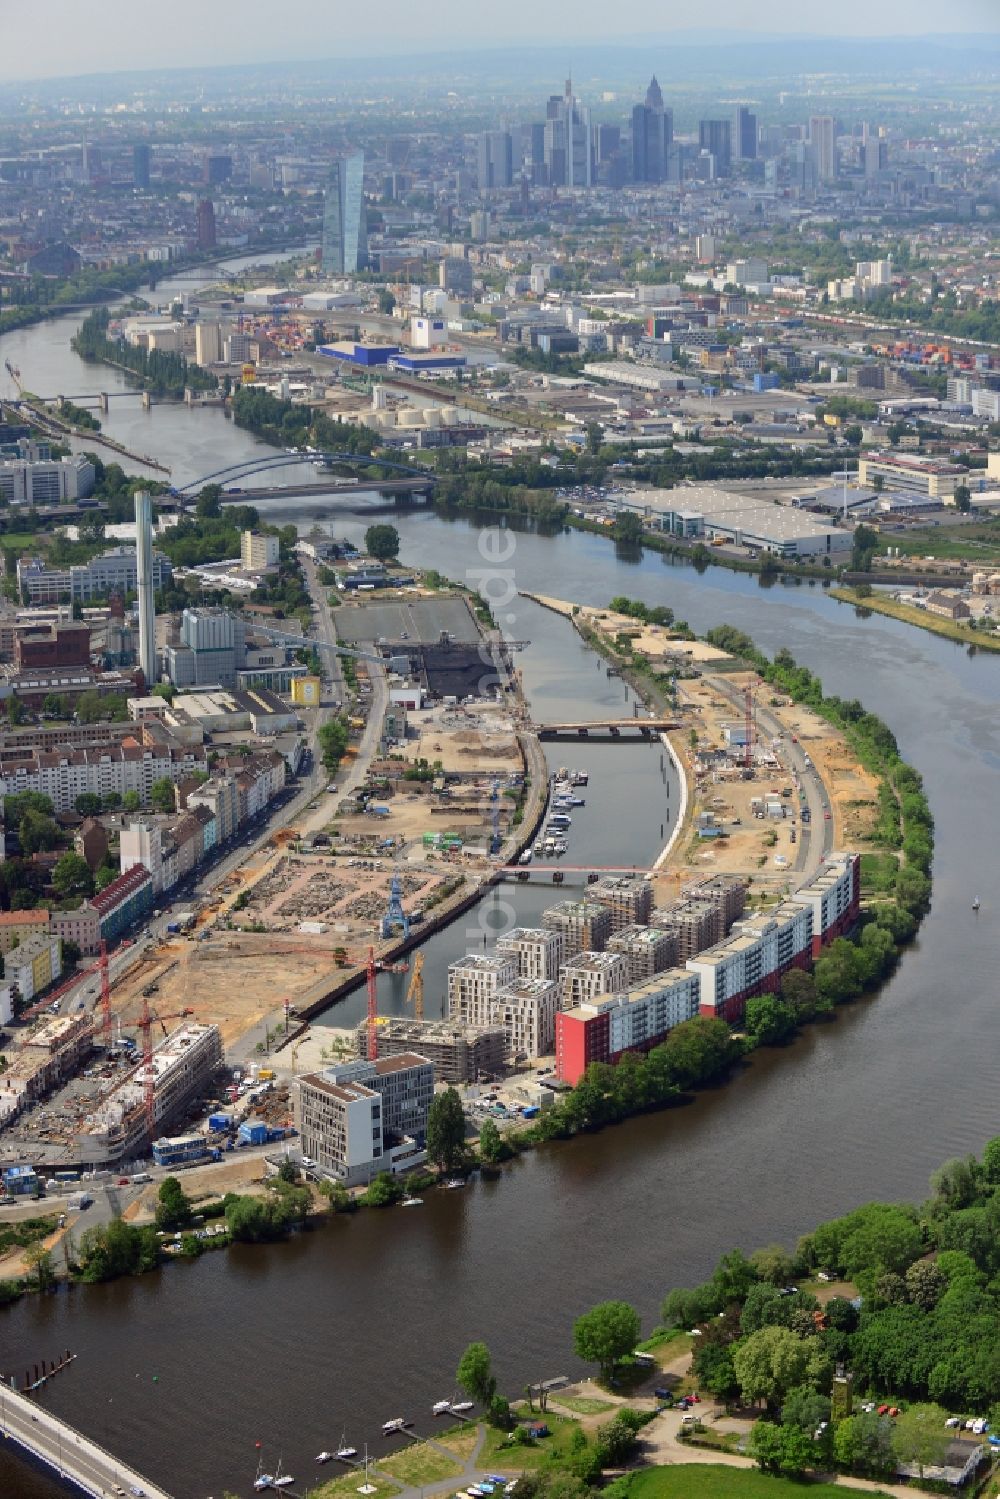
(63, 774)
(458, 1053)
(589, 975)
(585, 925)
(647, 950)
(537, 950)
(526, 1010)
(183, 1066)
(257, 551)
(473, 984)
(604, 1028)
(629, 898)
(33, 965)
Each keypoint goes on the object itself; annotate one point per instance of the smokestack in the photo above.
(144, 580)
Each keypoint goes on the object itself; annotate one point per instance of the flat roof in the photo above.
(745, 512)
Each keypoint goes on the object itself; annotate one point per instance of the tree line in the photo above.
(159, 371)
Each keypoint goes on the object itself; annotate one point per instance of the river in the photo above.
(365, 1318)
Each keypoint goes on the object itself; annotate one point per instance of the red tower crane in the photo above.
(372, 1007)
(148, 1080)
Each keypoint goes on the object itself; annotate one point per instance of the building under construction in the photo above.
(182, 1066)
(459, 1053)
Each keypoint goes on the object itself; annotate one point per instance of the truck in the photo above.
(78, 1202)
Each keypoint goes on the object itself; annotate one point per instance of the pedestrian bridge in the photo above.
(67, 1452)
(606, 728)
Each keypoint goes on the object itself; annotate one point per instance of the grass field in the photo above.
(500, 1454)
(459, 1439)
(583, 1405)
(949, 628)
(973, 541)
(705, 1481)
(878, 873)
(347, 1487)
(419, 1464)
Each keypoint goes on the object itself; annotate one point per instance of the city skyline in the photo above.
(239, 35)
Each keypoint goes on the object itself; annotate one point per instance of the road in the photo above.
(815, 843)
(68, 1451)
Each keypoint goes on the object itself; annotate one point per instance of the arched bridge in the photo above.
(411, 478)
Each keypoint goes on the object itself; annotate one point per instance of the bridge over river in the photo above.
(67, 1452)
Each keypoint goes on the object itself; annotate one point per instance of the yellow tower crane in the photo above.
(415, 988)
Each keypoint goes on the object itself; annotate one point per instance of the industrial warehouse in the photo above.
(748, 520)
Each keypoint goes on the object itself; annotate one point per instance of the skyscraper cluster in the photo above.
(567, 149)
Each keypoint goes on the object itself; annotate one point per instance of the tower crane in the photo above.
(415, 988)
(148, 1079)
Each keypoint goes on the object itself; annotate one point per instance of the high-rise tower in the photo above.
(144, 584)
(345, 242)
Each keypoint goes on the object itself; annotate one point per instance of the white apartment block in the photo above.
(257, 551)
(538, 951)
(64, 775)
(591, 975)
(473, 984)
(527, 1011)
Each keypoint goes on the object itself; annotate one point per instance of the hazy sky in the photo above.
(50, 38)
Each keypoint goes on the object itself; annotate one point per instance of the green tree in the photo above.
(382, 541)
(963, 498)
(165, 690)
(769, 1363)
(40, 1268)
(173, 1206)
(491, 1144)
(384, 1191)
(919, 1436)
(37, 833)
(72, 876)
(606, 1334)
(785, 1450)
(768, 1021)
(805, 1407)
(773, 1264)
(446, 1130)
(131, 801)
(627, 528)
(475, 1374)
(88, 804)
(863, 1443)
(161, 794)
(208, 505)
(15, 710)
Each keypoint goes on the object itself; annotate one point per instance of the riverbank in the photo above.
(908, 614)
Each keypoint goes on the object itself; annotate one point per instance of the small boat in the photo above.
(324, 1457)
(975, 904)
(395, 1424)
(412, 1202)
(461, 1406)
(441, 1407)
(452, 1184)
(346, 1453)
(263, 1481)
(281, 1480)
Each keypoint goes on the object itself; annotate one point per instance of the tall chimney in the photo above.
(144, 579)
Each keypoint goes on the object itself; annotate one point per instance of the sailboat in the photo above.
(263, 1480)
(282, 1480)
(345, 1452)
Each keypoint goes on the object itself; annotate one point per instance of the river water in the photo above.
(365, 1318)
